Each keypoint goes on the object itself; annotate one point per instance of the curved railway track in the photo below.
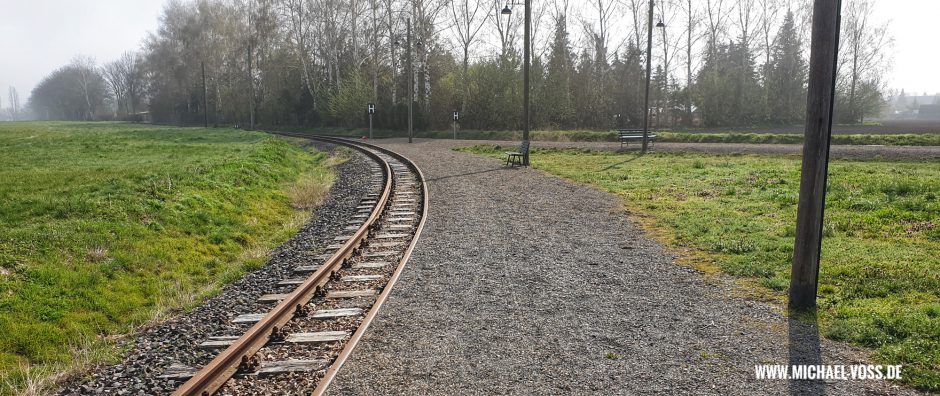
(299, 345)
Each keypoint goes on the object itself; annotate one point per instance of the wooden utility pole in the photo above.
(411, 88)
(649, 65)
(527, 42)
(804, 276)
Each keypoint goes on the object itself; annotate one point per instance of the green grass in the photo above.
(880, 268)
(662, 136)
(108, 226)
(783, 138)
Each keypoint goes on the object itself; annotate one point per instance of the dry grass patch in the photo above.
(310, 190)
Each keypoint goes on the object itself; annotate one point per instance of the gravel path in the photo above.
(175, 341)
(837, 151)
(524, 283)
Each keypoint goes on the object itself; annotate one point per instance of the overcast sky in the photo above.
(37, 36)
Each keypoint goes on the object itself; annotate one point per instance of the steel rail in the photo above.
(212, 376)
(367, 320)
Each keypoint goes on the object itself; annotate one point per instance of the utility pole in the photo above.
(649, 65)
(411, 88)
(205, 97)
(824, 51)
(527, 42)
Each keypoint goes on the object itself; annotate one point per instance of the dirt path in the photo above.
(526, 284)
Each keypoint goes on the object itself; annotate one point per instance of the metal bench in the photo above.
(520, 157)
(633, 135)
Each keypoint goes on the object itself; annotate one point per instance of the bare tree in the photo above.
(14, 103)
(392, 48)
(599, 32)
(635, 9)
(469, 18)
(86, 69)
(863, 58)
(716, 14)
(299, 23)
(769, 16)
(126, 79)
(745, 22)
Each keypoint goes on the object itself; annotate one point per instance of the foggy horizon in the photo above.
(47, 34)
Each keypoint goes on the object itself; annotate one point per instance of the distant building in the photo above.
(929, 112)
(909, 106)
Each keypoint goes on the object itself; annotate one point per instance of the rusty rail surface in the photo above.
(367, 320)
(212, 376)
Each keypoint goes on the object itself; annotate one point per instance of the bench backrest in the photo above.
(629, 132)
(524, 147)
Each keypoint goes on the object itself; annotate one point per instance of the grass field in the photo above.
(105, 227)
(897, 139)
(880, 270)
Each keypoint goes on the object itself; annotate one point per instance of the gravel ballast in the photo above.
(523, 283)
(175, 342)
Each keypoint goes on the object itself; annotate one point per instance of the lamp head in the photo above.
(661, 24)
(506, 10)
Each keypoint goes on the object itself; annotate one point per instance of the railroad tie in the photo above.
(370, 265)
(248, 318)
(361, 278)
(291, 366)
(339, 294)
(291, 282)
(336, 313)
(318, 337)
(392, 236)
(381, 254)
(386, 244)
(178, 372)
(218, 342)
(273, 297)
(306, 268)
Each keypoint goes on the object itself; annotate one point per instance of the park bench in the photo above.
(520, 157)
(633, 135)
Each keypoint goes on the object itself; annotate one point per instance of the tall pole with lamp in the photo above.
(649, 66)
(526, 40)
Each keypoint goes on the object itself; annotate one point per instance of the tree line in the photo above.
(319, 62)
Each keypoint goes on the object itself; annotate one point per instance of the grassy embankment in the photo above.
(662, 136)
(106, 227)
(880, 275)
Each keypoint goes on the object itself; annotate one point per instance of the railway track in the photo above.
(298, 346)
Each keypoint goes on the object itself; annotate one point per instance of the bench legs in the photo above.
(514, 159)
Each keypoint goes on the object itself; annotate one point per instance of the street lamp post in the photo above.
(649, 66)
(525, 69)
